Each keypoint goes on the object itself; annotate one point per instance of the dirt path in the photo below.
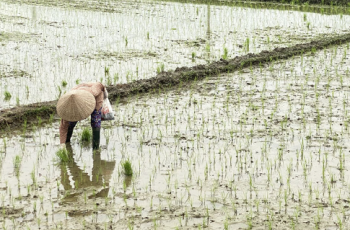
(34, 114)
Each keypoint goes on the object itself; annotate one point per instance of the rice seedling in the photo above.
(7, 95)
(214, 145)
(225, 55)
(107, 71)
(64, 156)
(193, 56)
(127, 168)
(64, 83)
(86, 135)
(160, 68)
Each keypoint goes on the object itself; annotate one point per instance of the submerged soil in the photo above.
(60, 44)
(259, 141)
(265, 147)
(303, 5)
(15, 117)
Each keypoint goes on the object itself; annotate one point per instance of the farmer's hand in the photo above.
(105, 93)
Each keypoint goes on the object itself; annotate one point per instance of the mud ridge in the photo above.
(36, 113)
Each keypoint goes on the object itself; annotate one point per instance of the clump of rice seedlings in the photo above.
(108, 80)
(86, 135)
(246, 45)
(160, 68)
(64, 83)
(17, 161)
(193, 56)
(7, 95)
(127, 168)
(313, 50)
(17, 164)
(106, 71)
(225, 56)
(116, 78)
(63, 156)
(59, 91)
(207, 47)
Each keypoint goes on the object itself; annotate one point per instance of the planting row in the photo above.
(265, 146)
(47, 50)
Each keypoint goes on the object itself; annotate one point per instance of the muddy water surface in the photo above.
(48, 47)
(264, 148)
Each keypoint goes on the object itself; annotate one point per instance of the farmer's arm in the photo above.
(63, 131)
(97, 88)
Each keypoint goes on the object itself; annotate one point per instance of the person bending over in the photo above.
(81, 101)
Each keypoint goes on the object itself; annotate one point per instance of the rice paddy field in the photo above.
(46, 47)
(265, 147)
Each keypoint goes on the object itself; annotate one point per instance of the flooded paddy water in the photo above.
(261, 148)
(49, 46)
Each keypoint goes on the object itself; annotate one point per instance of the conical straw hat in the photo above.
(76, 105)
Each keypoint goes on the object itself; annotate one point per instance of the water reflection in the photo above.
(102, 171)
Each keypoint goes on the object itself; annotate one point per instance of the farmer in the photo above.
(83, 100)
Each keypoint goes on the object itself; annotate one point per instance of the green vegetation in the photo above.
(160, 68)
(258, 140)
(225, 55)
(7, 95)
(17, 164)
(86, 135)
(64, 156)
(127, 169)
(64, 83)
(193, 56)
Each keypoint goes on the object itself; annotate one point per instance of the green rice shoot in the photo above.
(86, 135)
(127, 168)
(63, 156)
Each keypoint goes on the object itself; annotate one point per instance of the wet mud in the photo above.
(127, 55)
(30, 114)
(81, 45)
(265, 147)
(16, 118)
(259, 141)
(14, 74)
(316, 7)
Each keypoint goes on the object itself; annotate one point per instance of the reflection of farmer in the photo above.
(101, 174)
(83, 100)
